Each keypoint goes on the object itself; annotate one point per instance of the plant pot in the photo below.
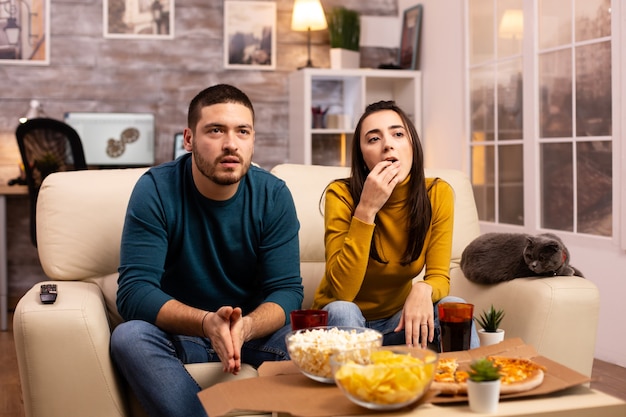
(344, 58)
(483, 396)
(490, 338)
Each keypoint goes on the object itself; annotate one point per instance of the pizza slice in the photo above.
(518, 375)
(448, 378)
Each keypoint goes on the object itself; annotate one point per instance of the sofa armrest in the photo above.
(63, 353)
(556, 315)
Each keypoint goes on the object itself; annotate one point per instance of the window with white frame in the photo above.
(570, 141)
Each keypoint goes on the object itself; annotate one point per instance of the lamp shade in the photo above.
(308, 15)
(512, 24)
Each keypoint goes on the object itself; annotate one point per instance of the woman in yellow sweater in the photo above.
(384, 224)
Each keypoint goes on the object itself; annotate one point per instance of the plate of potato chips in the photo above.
(384, 378)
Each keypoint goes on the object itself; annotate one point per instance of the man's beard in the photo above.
(209, 170)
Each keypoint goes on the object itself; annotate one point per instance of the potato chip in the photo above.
(388, 378)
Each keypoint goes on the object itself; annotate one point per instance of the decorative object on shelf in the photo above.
(250, 35)
(26, 32)
(319, 117)
(338, 121)
(344, 29)
(308, 15)
(491, 333)
(138, 20)
(483, 386)
(408, 54)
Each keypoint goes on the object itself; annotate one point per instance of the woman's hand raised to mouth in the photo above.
(378, 186)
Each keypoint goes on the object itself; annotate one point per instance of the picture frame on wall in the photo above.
(408, 55)
(138, 19)
(250, 35)
(25, 34)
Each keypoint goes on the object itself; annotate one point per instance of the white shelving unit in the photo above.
(343, 95)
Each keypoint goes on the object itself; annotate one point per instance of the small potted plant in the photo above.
(489, 320)
(344, 30)
(483, 386)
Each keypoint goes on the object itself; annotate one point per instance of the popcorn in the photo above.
(311, 349)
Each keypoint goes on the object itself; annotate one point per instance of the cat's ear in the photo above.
(554, 246)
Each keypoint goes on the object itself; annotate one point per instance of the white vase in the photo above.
(484, 396)
(344, 59)
(490, 338)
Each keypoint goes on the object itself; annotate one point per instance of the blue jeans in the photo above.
(152, 362)
(345, 313)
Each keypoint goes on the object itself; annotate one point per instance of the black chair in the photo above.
(47, 146)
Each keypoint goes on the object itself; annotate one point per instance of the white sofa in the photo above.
(63, 349)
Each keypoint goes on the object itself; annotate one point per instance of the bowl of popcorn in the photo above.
(385, 378)
(310, 349)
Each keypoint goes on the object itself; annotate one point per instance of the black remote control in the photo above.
(48, 293)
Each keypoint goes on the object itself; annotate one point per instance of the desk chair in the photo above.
(46, 146)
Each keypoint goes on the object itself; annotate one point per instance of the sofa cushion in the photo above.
(80, 216)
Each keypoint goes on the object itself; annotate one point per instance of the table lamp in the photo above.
(34, 111)
(308, 15)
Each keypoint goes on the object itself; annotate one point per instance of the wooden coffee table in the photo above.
(283, 388)
(578, 401)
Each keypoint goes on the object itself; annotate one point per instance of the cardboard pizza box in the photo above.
(556, 376)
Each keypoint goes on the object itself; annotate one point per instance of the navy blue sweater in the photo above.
(204, 253)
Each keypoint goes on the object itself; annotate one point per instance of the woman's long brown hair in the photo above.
(419, 208)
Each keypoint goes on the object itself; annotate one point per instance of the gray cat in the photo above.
(497, 257)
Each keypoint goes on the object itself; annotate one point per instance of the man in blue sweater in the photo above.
(209, 265)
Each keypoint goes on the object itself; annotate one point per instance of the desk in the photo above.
(4, 275)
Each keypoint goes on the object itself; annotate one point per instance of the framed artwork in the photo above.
(408, 55)
(250, 35)
(25, 38)
(138, 19)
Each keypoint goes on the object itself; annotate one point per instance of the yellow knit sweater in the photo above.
(380, 289)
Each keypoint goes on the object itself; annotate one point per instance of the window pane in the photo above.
(557, 190)
(555, 92)
(481, 31)
(510, 100)
(593, 90)
(593, 19)
(511, 184)
(555, 23)
(483, 181)
(482, 102)
(510, 27)
(594, 191)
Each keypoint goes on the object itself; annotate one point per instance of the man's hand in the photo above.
(224, 329)
(227, 328)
